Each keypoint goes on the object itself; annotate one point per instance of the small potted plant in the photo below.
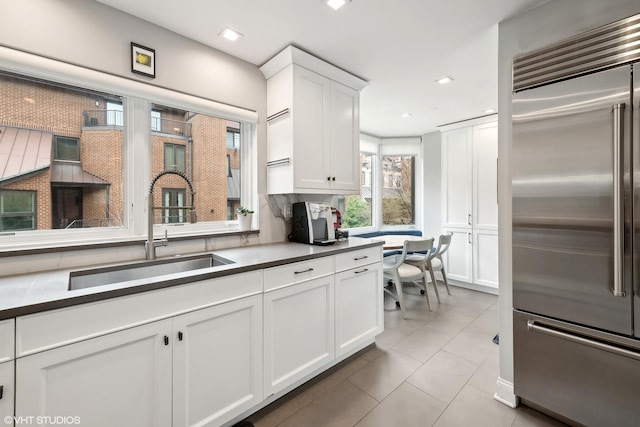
(245, 217)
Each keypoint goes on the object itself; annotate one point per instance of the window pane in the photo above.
(358, 208)
(69, 123)
(398, 198)
(156, 124)
(199, 149)
(17, 210)
(66, 148)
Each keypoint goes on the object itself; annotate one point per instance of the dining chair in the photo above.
(420, 255)
(397, 271)
(436, 263)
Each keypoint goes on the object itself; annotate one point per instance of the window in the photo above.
(95, 161)
(156, 121)
(115, 114)
(398, 191)
(174, 157)
(79, 176)
(233, 138)
(66, 148)
(173, 198)
(17, 210)
(358, 209)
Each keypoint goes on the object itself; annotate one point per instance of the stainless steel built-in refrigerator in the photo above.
(576, 226)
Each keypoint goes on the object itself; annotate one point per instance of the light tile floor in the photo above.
(434, 368)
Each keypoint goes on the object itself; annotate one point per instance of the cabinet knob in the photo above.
(328, 178)
(166, 340)
(333, 179)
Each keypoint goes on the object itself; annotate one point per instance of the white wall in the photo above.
(432, 221)
(546, 24)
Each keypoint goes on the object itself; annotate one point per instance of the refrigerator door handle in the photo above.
(536, 326)
(618, 197)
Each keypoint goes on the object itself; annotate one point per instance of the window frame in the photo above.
(57, 139)
(34, 201)
(179, 167)
(137, 100)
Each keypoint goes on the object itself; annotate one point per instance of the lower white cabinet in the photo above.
(359, 307)
(473, 257)
(217, 363)
(121, 379)
(6, 392)
(298, 331)
(201, 368)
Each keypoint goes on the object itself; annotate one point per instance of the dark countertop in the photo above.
(37, 292)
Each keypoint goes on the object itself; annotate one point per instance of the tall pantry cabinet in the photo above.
(470, 201)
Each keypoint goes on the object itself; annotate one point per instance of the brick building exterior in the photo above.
(93, 184)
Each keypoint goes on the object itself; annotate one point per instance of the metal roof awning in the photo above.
(23, 151)
(233, 185)
(72, 175)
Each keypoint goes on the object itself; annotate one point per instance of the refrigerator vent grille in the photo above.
(612, 45)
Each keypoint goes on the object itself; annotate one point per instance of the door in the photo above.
(298, 332)
(217, 362)
(119, 379)
(7, 389)
(359, 310)
(344, 154)
(457, 169)
(67, 206)
(458, 260)
(569, 184)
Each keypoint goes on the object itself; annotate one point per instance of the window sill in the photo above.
(34, 248)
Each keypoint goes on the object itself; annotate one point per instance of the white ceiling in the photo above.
(399, 46)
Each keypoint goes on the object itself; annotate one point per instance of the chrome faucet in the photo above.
(151, 244)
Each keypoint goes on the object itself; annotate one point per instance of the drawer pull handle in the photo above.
(364, 270)
(180, 336)
(1, 391)
(166, 340)
(361, 257)
(303, 271)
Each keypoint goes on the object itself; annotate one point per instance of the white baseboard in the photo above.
(474, 287)
(504, 393)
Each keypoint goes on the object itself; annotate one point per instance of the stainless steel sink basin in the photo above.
(121, 273)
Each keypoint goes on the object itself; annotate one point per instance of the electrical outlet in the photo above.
(286, 210)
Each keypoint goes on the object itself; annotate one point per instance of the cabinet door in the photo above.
(217, 362)
(485, 258)
(359, 307)
(298, 332)
(311, 133)
(119, 379)
(344, 150)
(7, 389)
(456, 177)
(458, 259)
(485, 176)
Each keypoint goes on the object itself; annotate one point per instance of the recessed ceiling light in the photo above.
(489, 111)
(335, 4)
(29, 100)
(406, 115)
(230, 34)
(444, 80)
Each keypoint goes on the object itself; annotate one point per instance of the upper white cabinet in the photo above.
(313, 125)
(470, 201)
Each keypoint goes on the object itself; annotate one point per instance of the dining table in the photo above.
(396, 241)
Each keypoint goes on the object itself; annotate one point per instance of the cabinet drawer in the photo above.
(7, 339)
(289, 274)
(357, 258)
(49, 329)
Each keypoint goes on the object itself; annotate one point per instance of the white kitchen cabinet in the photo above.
(7, 340)
(121, 379)
(201, 368)
(298, 331)
(7, 390)
(469, 200)
(217, 363)
(313, 126)
(358, 307)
